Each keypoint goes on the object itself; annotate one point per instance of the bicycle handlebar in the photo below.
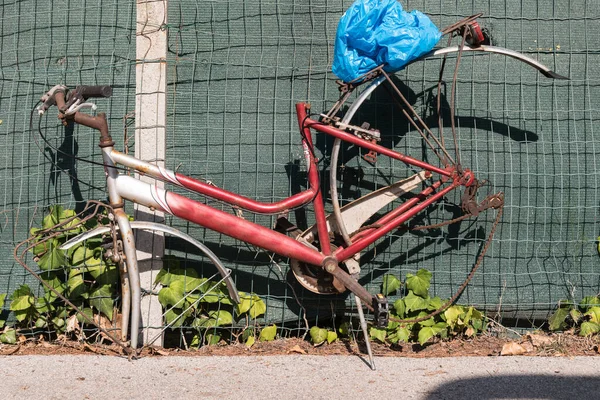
(94, 91)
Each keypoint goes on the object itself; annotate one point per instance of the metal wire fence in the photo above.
(235, 71)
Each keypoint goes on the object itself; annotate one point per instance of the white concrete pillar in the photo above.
(150, 145)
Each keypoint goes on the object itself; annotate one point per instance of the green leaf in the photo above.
(88, 313)
(435, 303)
(101, 300)
(252, 304)
(419, 283)
(174, 317)
(594, 314)
(400, 308)
(221, 317)
(76, 286)
(81, 254)
(268, 333)
(425, 334)
(415, 303)
(390, 284)
(344, 329)
(212, 339)
(427, 322)
(54, 258)
(195, 343)
(172, 295)
(2, 318)
(453, 314)
(245, 303)
(378, 334)
(557, 320)
(41, 322)
(318, 335)
(587, 302)
(575, 315)
(250, 341)
(258, 307)
(331, 337)
(589, 328)
(403, 334)
(9, 336)
(22, 299)
(109, 276)
(43, 305)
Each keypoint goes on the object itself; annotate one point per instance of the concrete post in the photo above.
(150, 144)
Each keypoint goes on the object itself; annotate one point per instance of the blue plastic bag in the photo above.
(375, 32)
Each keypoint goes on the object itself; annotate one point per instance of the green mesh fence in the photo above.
(235, 71)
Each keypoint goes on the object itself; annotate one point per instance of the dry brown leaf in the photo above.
(72, 324)
(540, 340)
(512, 349)
(296, 349)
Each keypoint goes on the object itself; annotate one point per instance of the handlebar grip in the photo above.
(94, 91)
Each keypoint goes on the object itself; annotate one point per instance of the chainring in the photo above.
(315, 278)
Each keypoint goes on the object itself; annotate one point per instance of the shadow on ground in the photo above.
(519, 387)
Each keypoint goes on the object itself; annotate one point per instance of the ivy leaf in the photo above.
(318, 335)
(425, 334)
(22, 299)
(174, 318)
(212, 339)
(390, 284)
(251, 304)
(344, 329)
(378, 334)
(76, 286)
(221, 317)
(435, 303)
(400, 308)
(88, 312)
(172, 295)
(594, 314)
(250, 341)
(81, 254)
(331, 337)
(2, 316)
(403, 334)
(427, 322)
(54, 258)
(589, 328)
(268, 333)
(587, 302)
(557, 320)
(258, 307)
(575, 315)
(195, 343)
(9, 336)
(109, 276)
(53, 280)
(452, 315)
(415, 303)
(419, 283)
(101, 300)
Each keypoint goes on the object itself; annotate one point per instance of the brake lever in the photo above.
(48, 98)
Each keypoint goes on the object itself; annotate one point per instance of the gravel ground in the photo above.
(298, 376)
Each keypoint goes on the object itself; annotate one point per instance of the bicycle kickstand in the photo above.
(363, 325)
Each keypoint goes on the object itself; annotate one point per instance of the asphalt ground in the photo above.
(298, 376)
